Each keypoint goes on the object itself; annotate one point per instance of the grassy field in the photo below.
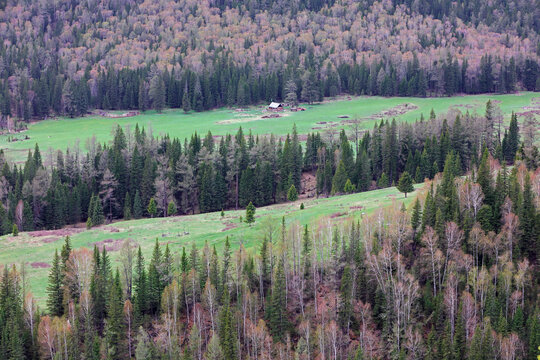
(60, 133)
(37, 251)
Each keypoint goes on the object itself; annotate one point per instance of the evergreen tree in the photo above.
(171, 208)
(152, 207)
(140, 287)
(55, 288)
(137, 206)
(530, 243)
(115, 323)
(250, 213)
(276, 313)
(349, 188)
(292, 195)
(154, 279)
(345, 309)
(383, 181)
(157, 92)
(405, 184)
(186, 102)
(227, 332)
(340, 179)
(127, 207)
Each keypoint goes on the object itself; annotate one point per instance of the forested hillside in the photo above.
(65, 57)
(453, 277)
(139, 175)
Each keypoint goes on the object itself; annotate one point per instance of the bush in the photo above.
(302, 206)
(15, 230)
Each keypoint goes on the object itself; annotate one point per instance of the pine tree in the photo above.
(292, 194)
(154, 279)
(349, 187)
(171, 209)
(530, 243)
(213, 349)
(416, 216)
(55, 288)
(137, 206)
(276, 313)
(345, 309)
(140, 286)
(405, 184)
(186, 103)
(227, 332)
(383, 181)
(533, 332)
(127, 207)
(250, 213)
(512, 141)
(157, 92)
(340, 179)
(152, 207)
(115, 322)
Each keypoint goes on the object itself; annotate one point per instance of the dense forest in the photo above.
(66, 57)
(452, 277)
(138, 175)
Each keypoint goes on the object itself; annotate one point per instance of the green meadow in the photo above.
(36, 252)
(54, 134)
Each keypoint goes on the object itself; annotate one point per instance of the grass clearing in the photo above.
(36, 249)
(54, 134)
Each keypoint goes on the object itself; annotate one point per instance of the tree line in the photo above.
(451, 277)
(138, 175)
(51, 92)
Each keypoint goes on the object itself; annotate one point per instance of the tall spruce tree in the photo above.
(55, 293)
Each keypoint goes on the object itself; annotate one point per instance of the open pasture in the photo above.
(36, 249)
(54, 134)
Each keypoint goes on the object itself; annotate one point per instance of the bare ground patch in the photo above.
(108, 244)
(59, 232)
(40, 265)
(229, 225)
(243, 118)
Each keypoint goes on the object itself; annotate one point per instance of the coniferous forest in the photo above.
(68, 57)
(450, 270)
(452, 277)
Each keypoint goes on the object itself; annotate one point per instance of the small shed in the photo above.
(274, 106)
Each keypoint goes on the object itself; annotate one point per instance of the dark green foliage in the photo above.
(340, 179)
(383, 181)
(152, 207)
(127, 207)
(171, 208)
(276, 312)
(405, 184)
(292, 194)
(250, 213)
(137, 206)
(349, 188)
(54, 288)
(227, 332)
(345, 310)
